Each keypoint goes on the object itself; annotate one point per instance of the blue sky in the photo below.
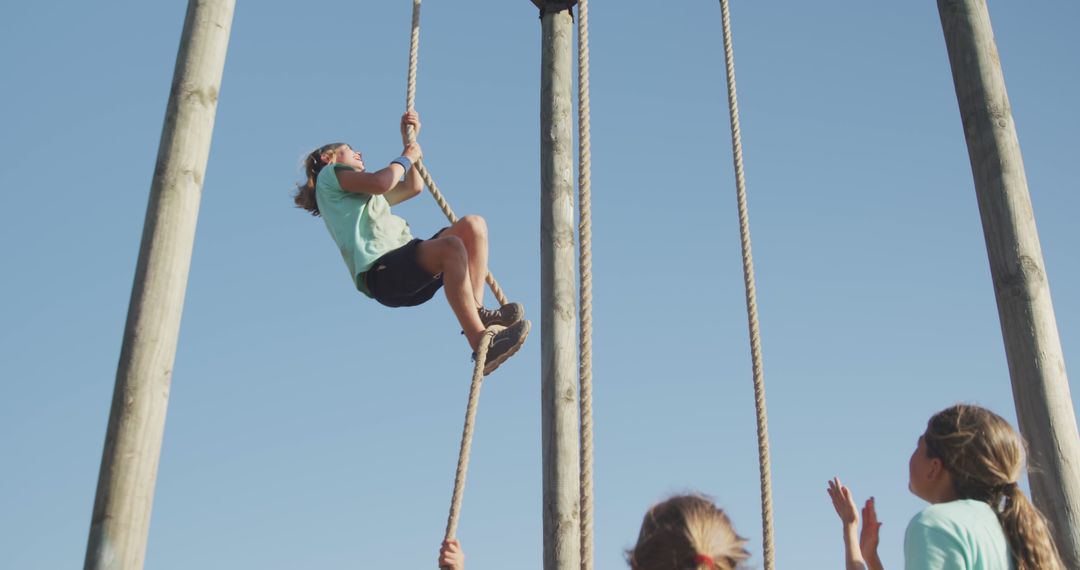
(311, 428)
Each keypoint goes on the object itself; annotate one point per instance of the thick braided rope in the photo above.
(467, 433)
(410, 104)
(751, 299)
(585, 285)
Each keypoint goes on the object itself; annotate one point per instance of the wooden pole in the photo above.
(1036, 363)
(559, 367)
(125, 492)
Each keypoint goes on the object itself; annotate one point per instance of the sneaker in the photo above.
(504, 344)
(505, 316)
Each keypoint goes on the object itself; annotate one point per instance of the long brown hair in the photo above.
(985, 457)
(687, 532)
(313, 164)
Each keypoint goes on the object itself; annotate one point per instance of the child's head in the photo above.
(687, 532)
(984, 457)
(314, 163)
(981, 452)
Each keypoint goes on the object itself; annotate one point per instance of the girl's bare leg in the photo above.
(447, 254)
(472, 231)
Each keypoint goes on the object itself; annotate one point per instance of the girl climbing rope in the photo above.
(967, 466)
(386, 262)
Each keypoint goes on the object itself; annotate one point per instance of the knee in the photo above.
(474, 226)
(452, 250)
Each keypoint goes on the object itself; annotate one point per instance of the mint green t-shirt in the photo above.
(361, 224)
(958, 535)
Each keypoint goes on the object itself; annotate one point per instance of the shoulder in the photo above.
(932, 521)
(962, 511)
(951, 516)
(327, 178)
(945, 535)
(939, 525)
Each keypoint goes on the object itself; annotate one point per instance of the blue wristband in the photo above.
(404, 162)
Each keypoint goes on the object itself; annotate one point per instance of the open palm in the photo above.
(868, 538)
(843, 502)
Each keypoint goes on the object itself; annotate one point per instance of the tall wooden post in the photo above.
(559, 371)
(125, 492)
(1036, 364)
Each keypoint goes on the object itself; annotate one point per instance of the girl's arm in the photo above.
(380, 181)
(849, 518)
(853, 558)
(413, 184)
(411, 187)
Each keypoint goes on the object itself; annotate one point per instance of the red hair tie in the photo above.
(706, 560)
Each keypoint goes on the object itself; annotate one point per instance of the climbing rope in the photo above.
(410, 104)
(751, 299)
(467, 433)
(485, 340)
(585, 286)
(585, 299)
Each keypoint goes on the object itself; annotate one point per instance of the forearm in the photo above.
(388, 178)
(413, 180)
(408, 188)
(853, 558)
(375, 183)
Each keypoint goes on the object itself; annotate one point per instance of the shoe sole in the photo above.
(491, 365)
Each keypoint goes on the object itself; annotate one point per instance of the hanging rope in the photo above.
(751, 299)
(585, 285)
(485, 340)
(467, 433)
(410, 104)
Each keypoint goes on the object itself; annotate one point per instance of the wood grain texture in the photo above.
(1036, 363)
(558, 268)
(125, 492)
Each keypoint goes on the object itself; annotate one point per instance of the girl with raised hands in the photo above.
(967, 465)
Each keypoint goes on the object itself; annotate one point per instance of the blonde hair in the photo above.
(985, 458)
(687, 532)
(313, 164)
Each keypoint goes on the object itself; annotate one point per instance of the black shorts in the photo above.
(397, 280)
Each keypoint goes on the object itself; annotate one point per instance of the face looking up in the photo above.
(917, 467)
(927, 477)
(344, 154)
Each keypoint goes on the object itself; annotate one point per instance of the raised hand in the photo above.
(411, 118)
(843, 502)
(451, 557)
(869, 537)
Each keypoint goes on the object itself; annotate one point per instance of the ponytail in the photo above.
(1027, 532)
(313, 164)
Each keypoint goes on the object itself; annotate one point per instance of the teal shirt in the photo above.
(958, 535)
(361, 224)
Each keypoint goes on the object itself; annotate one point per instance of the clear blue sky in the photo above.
(311, 428)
